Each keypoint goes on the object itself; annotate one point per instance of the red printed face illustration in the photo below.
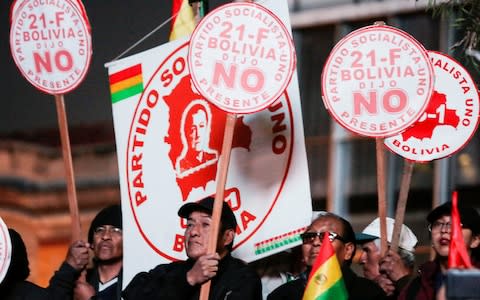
(195, 135)
(198, 130)
(196, 153)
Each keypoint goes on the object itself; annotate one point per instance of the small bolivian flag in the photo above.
(325, 280)
(126, 83)
(183, 21)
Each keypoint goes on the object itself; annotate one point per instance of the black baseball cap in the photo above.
(468, 215)
(228, 218)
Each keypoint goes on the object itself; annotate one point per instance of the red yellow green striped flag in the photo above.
(126, 83)
(325, 280)
(183, 21)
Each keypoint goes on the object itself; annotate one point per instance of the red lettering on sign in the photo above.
(39, 62)
(63, 61)
(138, 182)
(136, 164)
(140, 198)
(246, 218)
(219, 71)
(178, 67)
(252, 80)
(370, 104)
(178, 243)
(279, 144)
(393, 101)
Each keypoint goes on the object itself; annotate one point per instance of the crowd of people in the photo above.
(83, 276)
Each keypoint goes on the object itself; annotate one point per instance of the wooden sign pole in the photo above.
(219, 194)
(212, 62)
(67, 159)
(78, 48)
(382, 203)
(402, 203)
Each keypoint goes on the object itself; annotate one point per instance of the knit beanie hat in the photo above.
(111, 215)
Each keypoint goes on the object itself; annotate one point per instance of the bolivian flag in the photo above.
(183, 21)
(325, 280)
(126, 83)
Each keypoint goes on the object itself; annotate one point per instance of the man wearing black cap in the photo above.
(104, 280)
(230, 277)
(430, 284)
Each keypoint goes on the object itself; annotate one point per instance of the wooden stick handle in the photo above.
(219, 194)
(382, 203)
(402, 203)
(67, 160)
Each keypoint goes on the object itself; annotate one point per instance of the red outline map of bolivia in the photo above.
(436, 114)
(196, 136)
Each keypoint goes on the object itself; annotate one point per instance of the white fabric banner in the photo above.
(169, 140)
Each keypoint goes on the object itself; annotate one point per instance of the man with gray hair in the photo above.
(342, 239)
(393, 271)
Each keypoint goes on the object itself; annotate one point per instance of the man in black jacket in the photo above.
(230, 277)
(104, 280)
(342, 237)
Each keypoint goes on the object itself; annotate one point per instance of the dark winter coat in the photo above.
(63, 281)
(235, 280)
(23, 290)
(358, 288)
(426, 284)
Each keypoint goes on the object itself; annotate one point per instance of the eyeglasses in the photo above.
(101, 230)
(309, 237)
(439, 226)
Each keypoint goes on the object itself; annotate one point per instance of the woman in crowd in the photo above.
(430, 284)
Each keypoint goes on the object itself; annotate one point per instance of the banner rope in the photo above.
(152, 32)
(144, 38)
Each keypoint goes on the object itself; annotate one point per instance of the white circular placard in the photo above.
(241, 57)
(50, 42)
(450, 120)
(377, 81)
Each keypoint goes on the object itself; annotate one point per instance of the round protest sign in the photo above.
(13, 9)
(241, 57)
(377, 81)
(449, 121)
(50, 42)
(5, 250)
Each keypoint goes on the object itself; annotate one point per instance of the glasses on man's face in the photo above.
(439, 226)
(309, 237)
(101, 230)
